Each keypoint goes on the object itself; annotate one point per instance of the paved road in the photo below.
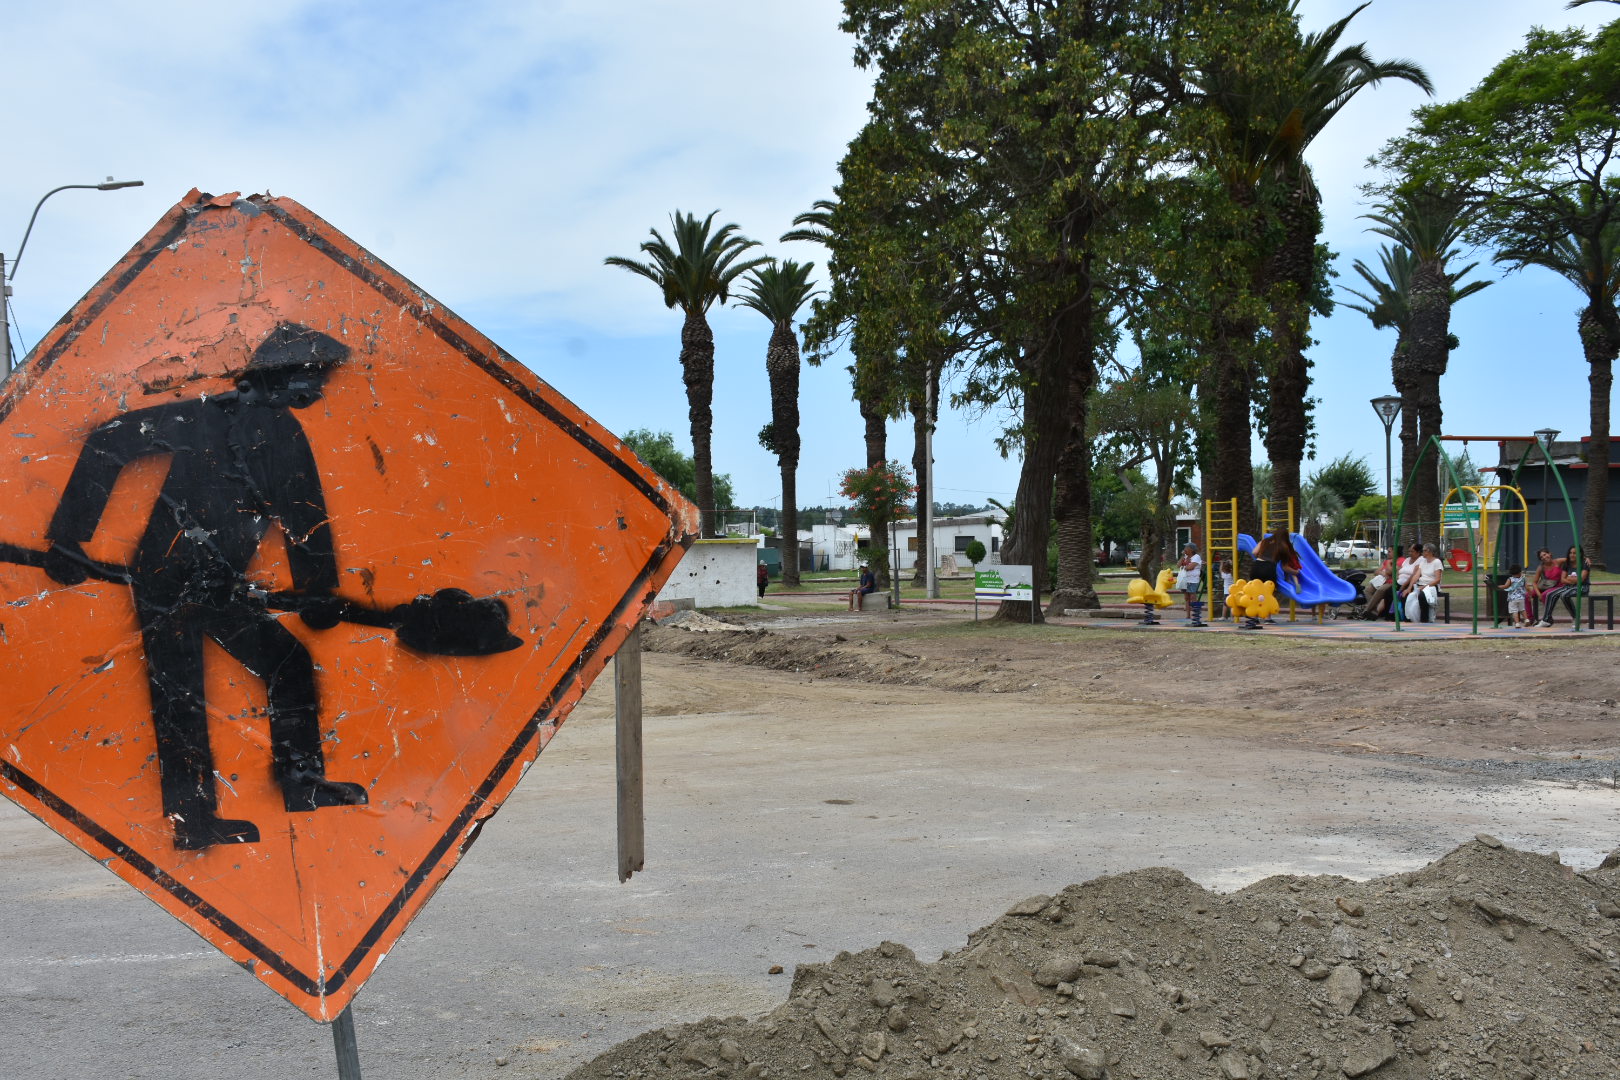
(839, 816)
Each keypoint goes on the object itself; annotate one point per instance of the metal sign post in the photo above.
(348, 1051)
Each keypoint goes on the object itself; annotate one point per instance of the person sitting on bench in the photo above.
(868, 584)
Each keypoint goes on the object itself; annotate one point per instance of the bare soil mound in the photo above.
(1488, 963)
(833, 656)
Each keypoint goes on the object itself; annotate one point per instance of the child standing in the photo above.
(1226, 585)
(1514, 587)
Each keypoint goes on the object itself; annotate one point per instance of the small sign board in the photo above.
(1006, 582)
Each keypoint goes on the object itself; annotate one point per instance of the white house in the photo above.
(951, 536)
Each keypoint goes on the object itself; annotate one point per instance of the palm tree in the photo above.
(695, 273)
(1324, 79)
(818, 225)
(1588, 257)
(1414, 295)
(1316, 502)
(777, 292)
(1428, 224)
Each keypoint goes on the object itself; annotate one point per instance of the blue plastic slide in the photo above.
(1317, 584)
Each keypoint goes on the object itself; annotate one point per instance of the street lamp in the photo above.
(1545, 437)
(1388, 408)
(108, 184)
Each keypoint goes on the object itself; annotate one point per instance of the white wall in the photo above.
(716, 573)
(837, 544)
(944, 534)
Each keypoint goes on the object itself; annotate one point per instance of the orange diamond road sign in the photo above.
(298, 573)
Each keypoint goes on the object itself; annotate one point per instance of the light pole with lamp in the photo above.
(1388, 408)
(1545, 437)
(5, 290)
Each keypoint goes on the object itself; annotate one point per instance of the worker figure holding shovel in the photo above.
(240, 463)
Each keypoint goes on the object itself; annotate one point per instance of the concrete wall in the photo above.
(716, 573)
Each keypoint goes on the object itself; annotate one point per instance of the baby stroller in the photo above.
(1356, 608)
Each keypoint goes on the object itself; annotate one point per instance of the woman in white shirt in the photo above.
(1427, 569)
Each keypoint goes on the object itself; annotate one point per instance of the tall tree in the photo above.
(1018, 137)
(1589, 259)
(835, 322)
(1144, 418)
(777, 292)
(1388, 306)
(1552, 200)
(1427, 223)
(694, 273)
(1321, 79)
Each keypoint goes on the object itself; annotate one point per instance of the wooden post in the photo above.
(627, 742)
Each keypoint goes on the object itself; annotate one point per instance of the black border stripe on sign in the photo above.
(461, 826)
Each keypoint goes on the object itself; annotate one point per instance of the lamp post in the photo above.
(1388, 408)
(1545, 437)
(108, 184)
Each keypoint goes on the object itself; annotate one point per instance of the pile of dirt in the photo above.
(1488, 963)
(834, 657)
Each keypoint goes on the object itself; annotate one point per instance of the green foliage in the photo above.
(778, 290)
(659, 451)
(975, 553)
(1348, 478)
(879, 493)
(1262, 483)
(1119, 512)
(699, 268)
(1366, 508)
(1463, 468)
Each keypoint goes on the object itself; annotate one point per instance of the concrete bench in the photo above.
(878, 601)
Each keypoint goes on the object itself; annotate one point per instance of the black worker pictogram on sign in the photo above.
(298, 573)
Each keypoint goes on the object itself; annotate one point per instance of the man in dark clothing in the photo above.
(239, 463)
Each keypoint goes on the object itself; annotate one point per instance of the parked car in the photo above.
(1353, 549)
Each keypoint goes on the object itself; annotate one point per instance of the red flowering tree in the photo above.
(877, 495)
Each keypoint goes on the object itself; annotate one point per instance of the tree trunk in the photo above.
(1232, 474)
(782, 366)
(876, 418)
(1400, 366)
(1600, 337)
(1072, 506)
(697, 372)
(1292, 277)
(918, 407)
(1429, 348)
(1045, 427)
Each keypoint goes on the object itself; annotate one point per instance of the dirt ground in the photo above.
(819, 784)
(1549, 706)
(1489, 962)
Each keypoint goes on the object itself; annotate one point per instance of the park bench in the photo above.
(1591, 602)
(878, 601)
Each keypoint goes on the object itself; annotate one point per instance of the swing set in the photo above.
(1489, 531)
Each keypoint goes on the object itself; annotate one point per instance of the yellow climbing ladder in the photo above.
(1279, 517)
(1220, 540)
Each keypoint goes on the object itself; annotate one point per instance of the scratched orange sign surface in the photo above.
(298, 573)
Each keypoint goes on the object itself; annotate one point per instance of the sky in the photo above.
(495, 151)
